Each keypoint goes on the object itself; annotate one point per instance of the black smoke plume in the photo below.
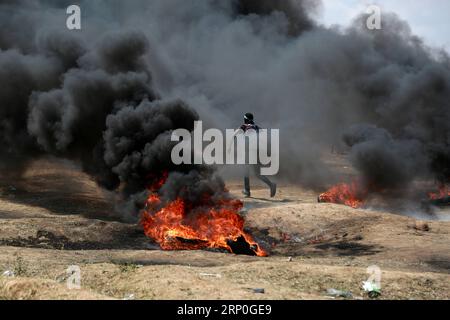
(109, 95)
(295, 12)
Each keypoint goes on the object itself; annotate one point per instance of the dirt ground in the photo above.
(55, 217)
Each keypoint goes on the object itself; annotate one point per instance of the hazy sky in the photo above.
(428, 19)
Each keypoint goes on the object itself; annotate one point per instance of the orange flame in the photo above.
(177, 227)
(352, 195)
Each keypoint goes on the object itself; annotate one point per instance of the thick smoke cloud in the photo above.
(409, 98)
(109, 95)
(295, 11)
(383, 161)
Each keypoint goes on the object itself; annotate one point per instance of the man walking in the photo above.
(249, 124)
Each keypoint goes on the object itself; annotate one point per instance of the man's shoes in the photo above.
(273, 190)
(246, 193)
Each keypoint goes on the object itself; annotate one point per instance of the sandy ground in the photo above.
(56, 216)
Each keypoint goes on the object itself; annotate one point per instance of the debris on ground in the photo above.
(339, 293)
(213, 275)
(129, 297)
(297, 239)
(257, 290)
(8, 274)
(372, 289)
(61, 278)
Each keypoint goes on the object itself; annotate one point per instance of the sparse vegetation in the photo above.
(127, 267)
(19, 267)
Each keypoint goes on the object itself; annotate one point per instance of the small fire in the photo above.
(444, 191)
(215, 224)
(351, 194)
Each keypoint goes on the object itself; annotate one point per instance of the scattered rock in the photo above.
(358, 237)
(421, 226)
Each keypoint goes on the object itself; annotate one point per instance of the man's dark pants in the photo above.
(257, 171)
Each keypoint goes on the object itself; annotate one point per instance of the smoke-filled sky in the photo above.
(109, 95)
(428, 19)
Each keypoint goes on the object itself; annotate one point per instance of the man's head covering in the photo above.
(248, 117)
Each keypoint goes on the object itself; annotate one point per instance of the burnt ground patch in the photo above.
(341, 238)
(440, 264)
(131, 239)
(324, 249)
(62, 202)
(348, 248)
(162, 262)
